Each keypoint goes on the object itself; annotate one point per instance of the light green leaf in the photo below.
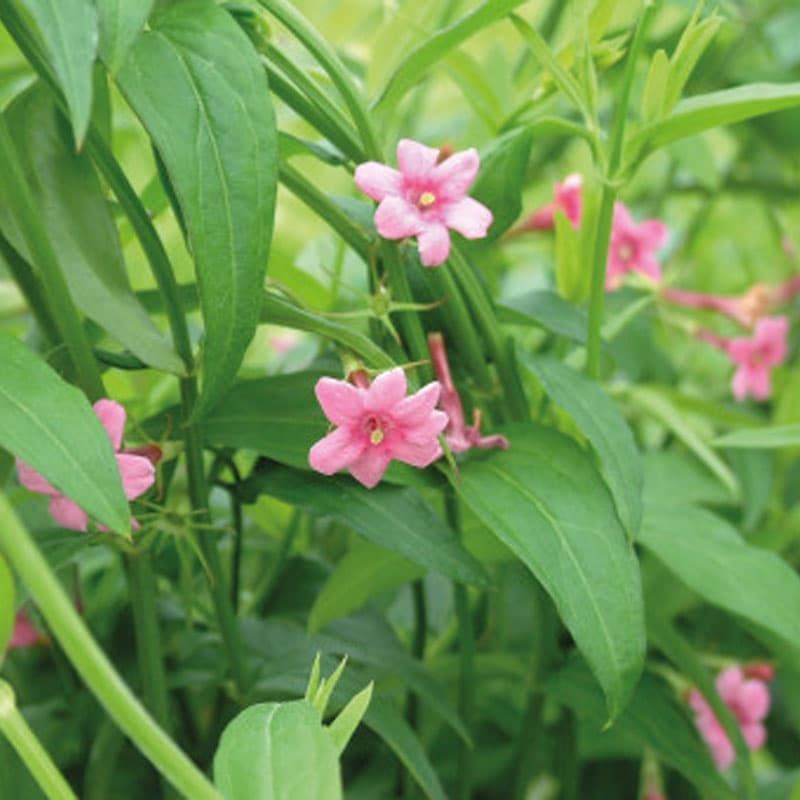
(349, 718)
(7, 606)
(278, 751)
(68, 30)
(81, 226)
(196, 83)
(653, 402)
(654, 719)
(395, 517)
(417, 64)
(120, 22)
(706, 111)
(599, 419)
(778, 436)
(710, 557)
(51, 426)
(571, 273)
(545, 501)
(655, 87)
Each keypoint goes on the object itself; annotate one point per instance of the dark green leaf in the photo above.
(120, 22)
(544, 499)
(547, 310)
(81, 227)
(68, 30)
(602, 423)
(395, 517)
(51, 426)
(196, 83)
(653, 719)
(707, 554)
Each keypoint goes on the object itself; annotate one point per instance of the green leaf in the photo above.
(777, 436)
(710, 557)
(547, 310)
(68, 31)
(655, 87)
(417, 65)
(51, 426)
(653, 719)
(501, 181)
(81, 227)
(7, 606)
(395, 517)
(214, 128)
(278, 751)
(706, 111)
(544, 499)
(571, 275)
(658, 405)
(599, 419)
(120, 22)
(349, 718)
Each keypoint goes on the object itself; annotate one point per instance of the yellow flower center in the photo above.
(376, 437)
(625, 252)
(427, 199)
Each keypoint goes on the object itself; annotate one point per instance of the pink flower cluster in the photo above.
(376, 423)
(747, 698)
(425, 198)
(135, 468)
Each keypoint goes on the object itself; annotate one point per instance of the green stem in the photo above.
(92, 664)
(417, 646)
(63, 310)
(602, 235)
(144, 595)
(466, 670)
(198, 497)
(332, 64)
(29, 748)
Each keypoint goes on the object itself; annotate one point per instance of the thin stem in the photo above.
(144, 595)
(332, 64)
(602, 235)
(63, 310)
(29, 748)
(198, 496)
(466, 668)
(92, 664)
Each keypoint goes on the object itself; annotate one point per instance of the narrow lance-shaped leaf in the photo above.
(50, 425)
(68, 30)
(544, 499)
(602, 423)
(120, 22)
(196, 83)
(81, 226)
(776, 437)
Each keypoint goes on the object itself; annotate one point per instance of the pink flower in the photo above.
(633, 247)
(25, 634)
(748, 700)
(425, 198)
(567, 197)
(459, 435)
(376, 424)
(137, 471)
(755, 356)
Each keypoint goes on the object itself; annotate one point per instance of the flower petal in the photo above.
(416, 161)
(453, 177)
(342, 403)
(648, 265)
(427, 431)
(740, 385)
(137, 472)
(24, 633)
(434, 245)
(653, 234)
(755, 734)
(386, 391)
(377, 180)
(469, 217)
(417, 454)
(112, 417)
(622, 220)
(336, 451)
(728, 683)
(753, 701)
(68, 514)
(416, 408)
(370, 467)
(396, 218)
(33, 481)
